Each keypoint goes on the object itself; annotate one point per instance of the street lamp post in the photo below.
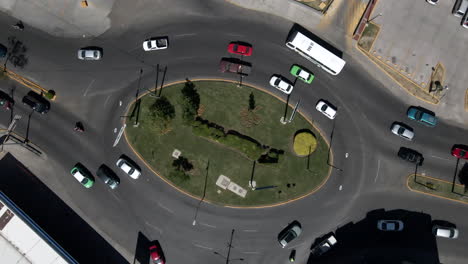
(329, 149)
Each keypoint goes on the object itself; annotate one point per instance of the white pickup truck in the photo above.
(324, 246)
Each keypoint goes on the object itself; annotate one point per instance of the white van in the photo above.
(460, 8)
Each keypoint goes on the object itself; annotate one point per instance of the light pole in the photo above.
(329, 149)
(203, 197)
(229, 251)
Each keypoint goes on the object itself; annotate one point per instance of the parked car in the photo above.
(3, 51)
(292, 231)
(280, 83)
(108, 176)
(36, 102)
(390, 225)
(234, 66)
(156, 254)
(410, 155)
(433, 2)
(240, 48)
(81, 174)
(302, 74)
(6, 101)
(422, 115)
(460, 7)
(446, 232)
(89, 54)
(324, 246)
(402, 131)
(155, 44)
(460, 151)
(326, 108)
(464, 21)
(128, 167)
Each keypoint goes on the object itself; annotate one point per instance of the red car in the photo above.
(156, 255)
(240, 49)
(460, 152)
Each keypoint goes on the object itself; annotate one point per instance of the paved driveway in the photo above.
(415, 36)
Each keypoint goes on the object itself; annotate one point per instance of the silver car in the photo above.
(402, 131)
(446, 232)
(288, 234)
(390, 225)
(89, 54)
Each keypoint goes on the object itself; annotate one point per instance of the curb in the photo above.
(430, 194)
(230, 206)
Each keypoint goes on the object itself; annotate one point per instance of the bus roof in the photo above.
(317, 52)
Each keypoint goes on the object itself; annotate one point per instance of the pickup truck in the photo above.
(324, 246)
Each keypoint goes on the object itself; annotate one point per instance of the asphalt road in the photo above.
(98, 93)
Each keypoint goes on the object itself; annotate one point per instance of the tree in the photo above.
(162, 112)
(182, 164)
(190, 101)
(251, 102)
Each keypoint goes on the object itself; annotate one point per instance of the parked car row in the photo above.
(460, 9)
(106, 174)
(437, 230)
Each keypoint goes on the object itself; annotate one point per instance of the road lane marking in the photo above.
(107, 99)
(185, 35)
(440, 158)
(165, 208)
(89, 86)
(378, 170)
(119, 135)
(155, 227)
(250, 230)
(250, 252)
(201, 246)
(203, 224)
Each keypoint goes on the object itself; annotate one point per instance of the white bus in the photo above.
(315, 53)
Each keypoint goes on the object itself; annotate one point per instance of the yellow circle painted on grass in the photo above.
(304, 143)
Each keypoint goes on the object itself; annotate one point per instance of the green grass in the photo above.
(437, 187)
(222, 103)
(368, 36)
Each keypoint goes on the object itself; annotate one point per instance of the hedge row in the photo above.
(253, 150)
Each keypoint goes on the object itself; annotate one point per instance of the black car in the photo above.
(410, 155)
(3, 51)
(36, 102)
(108, 176)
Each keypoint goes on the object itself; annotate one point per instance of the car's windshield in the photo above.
(324, 107)
(84, 181)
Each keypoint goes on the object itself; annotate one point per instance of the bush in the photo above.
(182, 164)
(190, 101)
(272, 156)
(252, 149)
(162, 108)
(304, 143)
(203, 129)
(50, 94)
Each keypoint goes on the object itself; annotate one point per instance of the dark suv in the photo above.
(108, 176)
(36, 102)
(410, 155)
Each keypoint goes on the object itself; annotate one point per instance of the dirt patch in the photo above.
(368, 37)
(319, 5)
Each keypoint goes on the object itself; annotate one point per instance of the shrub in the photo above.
(204, 129)
(162, 108)
(182, 164)
(272, 156)
(304, 143)
(50, 94)
(252, 149)
(190, 101)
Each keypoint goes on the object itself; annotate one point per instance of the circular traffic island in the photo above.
(227, 143)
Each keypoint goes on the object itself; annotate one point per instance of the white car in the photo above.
(155, 44)
(89, 54)
(402, 131)
(128, 167)
(433, 2)
(327, 109)
(447, 232)
(324, 246)
(281, 84)
(390, 225)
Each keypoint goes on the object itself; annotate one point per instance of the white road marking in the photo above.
(165, 208)
(115, 130)
(155, 227)
(107, 99)
(378, 170)
(250, 252)
(203, 224)
(201, 246)
(89, 86)
(185, 35)
(119, 135)
(340, 188)
(346, 155)
(440, 158)
(120, 103)
(250, 230)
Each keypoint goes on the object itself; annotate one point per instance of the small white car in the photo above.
(433, 2)
(155, 44)
(446, 232)
(390, 225)
(128, 167)
(327, 109)
(89, 54)
(404, 132)
(281, 84)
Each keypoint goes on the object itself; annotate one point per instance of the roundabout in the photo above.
(234, 136)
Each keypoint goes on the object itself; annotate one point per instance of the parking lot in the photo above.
(414, 37)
